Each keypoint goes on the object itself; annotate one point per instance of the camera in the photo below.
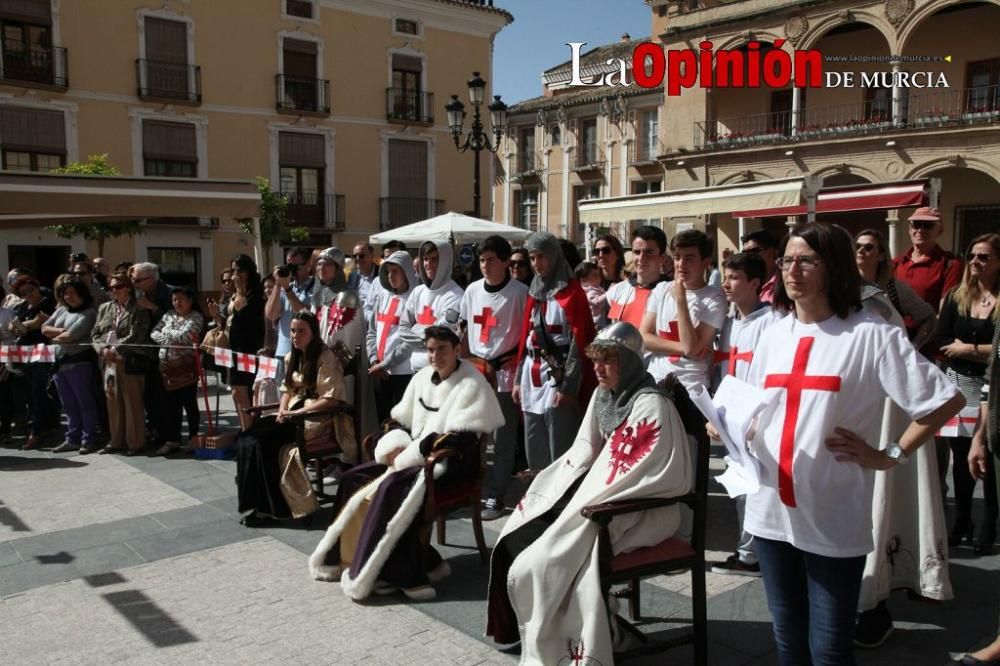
(287, 270)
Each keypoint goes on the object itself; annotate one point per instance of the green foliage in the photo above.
(274, 218)
(96, 165)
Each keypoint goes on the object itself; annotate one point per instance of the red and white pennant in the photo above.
(267, 368)
(246, 362)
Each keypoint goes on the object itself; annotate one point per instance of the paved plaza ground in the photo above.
(108, 559)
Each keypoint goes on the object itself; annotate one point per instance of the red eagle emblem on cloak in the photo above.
(338, 317)
(630, 445)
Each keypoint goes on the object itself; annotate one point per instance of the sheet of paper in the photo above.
(737, 481)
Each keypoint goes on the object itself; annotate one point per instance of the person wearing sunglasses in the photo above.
(763, 243)
(965, 328)
(84, 272)
(520, 267)
(364, 278)
(928, 268)
(610, 258)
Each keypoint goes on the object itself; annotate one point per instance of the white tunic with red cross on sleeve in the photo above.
(832, 374)
(427, 307)
(737, 343)
(493, 318)
(538, 389)
(705, 305)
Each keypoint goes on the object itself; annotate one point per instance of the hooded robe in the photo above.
(430, 302)
(383, 340)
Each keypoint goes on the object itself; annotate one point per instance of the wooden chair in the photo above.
(670, 556)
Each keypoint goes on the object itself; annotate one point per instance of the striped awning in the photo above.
(872, 196)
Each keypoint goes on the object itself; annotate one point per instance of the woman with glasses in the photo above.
(245, 327)
(29, 315)
(826, 371)
(609, 255)
(520, 266)
(965, 328)
(121, 323)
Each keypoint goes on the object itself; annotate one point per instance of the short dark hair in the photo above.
(570, 252)
(122, 267)
(190, 293)
(299, 252)
(442, 334)
(395, 246)
(81, 290)
(583, 268)
(835, 248)
(761, 237)
(650, 233)
(498, 245)
(752, 265)
(693, 238)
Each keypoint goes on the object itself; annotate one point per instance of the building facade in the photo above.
(338, 103)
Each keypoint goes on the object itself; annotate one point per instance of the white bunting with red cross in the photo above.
(223, 357)
(246, 362)
(5, 353)
(41, 353)
(267, 368)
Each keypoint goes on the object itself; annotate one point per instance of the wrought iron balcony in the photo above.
(399, 211)
(588, 158)
(645, 150)
(955, 106)
(177, 82)
(33, 64)
(312, 210)
(409, 106)
(302, 96)
(528, 164)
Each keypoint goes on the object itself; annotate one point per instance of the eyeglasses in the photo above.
(864, 247)
(981, 257)
(603, 250)
(359, 256)
(805, 263)
(519, 264)
(141, 278)
(919, 225)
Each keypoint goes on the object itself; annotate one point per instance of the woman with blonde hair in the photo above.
(965, 328)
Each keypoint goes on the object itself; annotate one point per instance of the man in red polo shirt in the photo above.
(930, 270)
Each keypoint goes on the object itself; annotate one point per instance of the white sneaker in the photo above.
(383, 588)
(439, 573)
(420, 593)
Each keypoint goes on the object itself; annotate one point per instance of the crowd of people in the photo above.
(577, 373)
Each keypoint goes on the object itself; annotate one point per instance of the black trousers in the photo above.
(177, 403)
(388, 393)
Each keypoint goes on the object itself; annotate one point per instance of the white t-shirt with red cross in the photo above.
(427, 307)
(628, 302)
(493, 323)
(538, 389)
(388, 316)
(738, 340)
(706, 305)
(832, 374)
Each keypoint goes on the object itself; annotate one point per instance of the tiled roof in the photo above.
(484, 5)
(579, 98)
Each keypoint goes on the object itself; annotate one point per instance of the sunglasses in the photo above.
(359, 256)
(922, 226)
(603, 250)
(981, 257)
(864, 247)
(519, 264)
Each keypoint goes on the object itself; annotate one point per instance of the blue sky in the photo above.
(536, 40)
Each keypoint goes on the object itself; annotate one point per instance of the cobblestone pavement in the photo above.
(107, 559)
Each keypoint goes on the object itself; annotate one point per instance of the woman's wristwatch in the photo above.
(896, 453)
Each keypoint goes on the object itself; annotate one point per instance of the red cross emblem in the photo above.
(337, 318)
(486, 321)
(246, 362)
(222, 357)
(673, 335)
(267, 368)
(389, 320)
(731, 357)
(426, 317)
(630, 445)
(6, 353)
(42, 353)
(536, 361)
(795, 383)
(615, 310)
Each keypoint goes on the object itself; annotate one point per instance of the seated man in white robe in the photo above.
(374, 542)
(544, 573)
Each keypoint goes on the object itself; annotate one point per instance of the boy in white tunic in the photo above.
(432, 299)
(388, 357)
(492, 310)
(680, 337)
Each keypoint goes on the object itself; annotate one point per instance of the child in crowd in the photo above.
(589, 275)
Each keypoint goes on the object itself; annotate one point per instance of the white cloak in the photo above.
(465, 402)
(554, 584)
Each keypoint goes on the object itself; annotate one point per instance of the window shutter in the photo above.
(32, 130)
(408, 169)
(37, 12)
(166, 41)
(405, 63)
(169, 141)
(301, 150)
(300, 46)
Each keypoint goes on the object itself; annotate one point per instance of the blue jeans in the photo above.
(813, 601)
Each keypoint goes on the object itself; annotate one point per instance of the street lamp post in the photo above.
(476, 139)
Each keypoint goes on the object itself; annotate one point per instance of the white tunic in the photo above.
(737, 343)
(389, 314)
(832, 374)
(427, 307)
(494, 323)
(706, 305)
(538, 389)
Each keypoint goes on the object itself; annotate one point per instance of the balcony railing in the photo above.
(399, 211)
(310, 209)
(528, 164)
(588, 157)
(945, 108)
(645, 150)
(297, 95)
(410, 106)
(178, 82)
(34, 64)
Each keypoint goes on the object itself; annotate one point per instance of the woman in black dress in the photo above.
(245, 328)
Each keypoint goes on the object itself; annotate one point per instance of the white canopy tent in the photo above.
(454, 227)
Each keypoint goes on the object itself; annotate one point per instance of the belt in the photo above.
(537, 353)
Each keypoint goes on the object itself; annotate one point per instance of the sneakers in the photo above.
(492, 509)
(734, 566)
(66, 447)
(383, 588)
(420, 593)
(873, 628)
(439, 573)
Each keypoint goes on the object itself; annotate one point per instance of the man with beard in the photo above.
(554, 377)
(545, 587)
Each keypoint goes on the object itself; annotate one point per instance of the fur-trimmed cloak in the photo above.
(462, 403)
